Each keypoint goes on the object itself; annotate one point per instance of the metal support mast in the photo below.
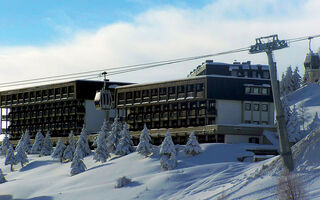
(268, 44)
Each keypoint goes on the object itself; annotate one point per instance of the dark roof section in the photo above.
(232, 88)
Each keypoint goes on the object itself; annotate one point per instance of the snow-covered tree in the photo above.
(296, 79)
(105, 128)
(77, 165)
(25, 140)
(58, 151)
(192, 147)
(21, 156)
(293, 126)
(47, 146)
(114, 135)
(37, 145)
(101, 153)
(83, 144)
(168, 153)
(70, 149)
(68, 153)
(125, 145)
(10, 159)
(5, 145)
(286, 108)
(144, 147)
(314, 124)
(2, 178)
(305, 78)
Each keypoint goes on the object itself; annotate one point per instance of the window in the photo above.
(264, 91)
(256, 107)
(265, 74)
(163, 91)
(254, 140)
(172, 90)
(137, 94)
(234, 73)
(247, 106)
(264, 123)
(245, 73)
(264, 107)
(248, 90)
(255, 90)
(255, 122)
(254, 74)
(247, 122)
(181, 89)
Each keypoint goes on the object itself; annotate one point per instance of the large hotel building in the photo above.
(235, 100)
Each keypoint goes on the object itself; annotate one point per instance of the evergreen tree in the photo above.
(314, 124)
(296, 79)
(21, 156)
(2, 178)
(105, 128)
(114, 135)
(68, 153)
(125, 145)
(286, 108)
(101, 153)
(5, 145)
(192, 147)
(10, 159)
(168, 153)
(70, 149)
(84, 149)
(47, 146)
(293, 126)
(144, 147)
(289, 83)
(25, 140)
(37, 145)
(77, 165)
(282, 85)
(305, 78)
(58, 151)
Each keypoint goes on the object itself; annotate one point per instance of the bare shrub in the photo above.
(290, 187)
(122, 181)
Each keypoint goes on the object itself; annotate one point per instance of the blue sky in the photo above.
(39, 22)
(40, 38)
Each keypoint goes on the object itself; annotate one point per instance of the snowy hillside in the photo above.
(216, 173)
(307, 97)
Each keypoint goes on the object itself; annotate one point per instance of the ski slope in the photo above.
(214, 174)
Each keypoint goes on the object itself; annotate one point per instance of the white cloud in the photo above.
(166, 33)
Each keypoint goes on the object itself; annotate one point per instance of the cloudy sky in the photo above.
(46, 38)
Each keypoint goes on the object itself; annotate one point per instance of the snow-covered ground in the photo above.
(213, 174)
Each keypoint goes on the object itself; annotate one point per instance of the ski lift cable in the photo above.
(125, 69)
(130, 68)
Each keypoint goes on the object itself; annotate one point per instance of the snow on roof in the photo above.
(233, 67)
(245, 66)
(254, 85)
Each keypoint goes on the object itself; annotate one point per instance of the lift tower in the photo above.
(268, 44)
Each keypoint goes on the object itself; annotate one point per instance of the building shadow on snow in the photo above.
(10, 197)
(36, 164)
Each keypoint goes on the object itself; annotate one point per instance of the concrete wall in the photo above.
(258, 116)
(229, 112)
(236, 139)
(93, 117)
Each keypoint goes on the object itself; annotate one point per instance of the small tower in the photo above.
(312, 66)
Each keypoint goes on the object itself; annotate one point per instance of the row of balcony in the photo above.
(44, 106)
(171, 115)
(172, 107)
(48, 120)
(13, 101)
(45, 113)
(172, 123)
(160, 98)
